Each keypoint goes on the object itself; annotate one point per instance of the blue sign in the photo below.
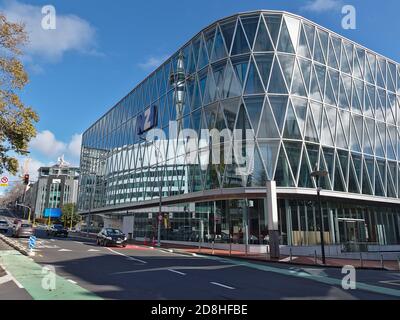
(52, 213)
(147, 120)
(32, 242)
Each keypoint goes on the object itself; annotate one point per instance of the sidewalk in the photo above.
(295, 260)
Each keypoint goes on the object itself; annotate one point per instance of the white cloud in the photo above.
(71, 34)
(48, 146)
(153, 62)
(319, 6)
(74, 147)
(46, 143)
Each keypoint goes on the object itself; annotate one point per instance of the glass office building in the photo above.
(312, 99)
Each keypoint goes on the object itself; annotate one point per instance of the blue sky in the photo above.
(102, 49)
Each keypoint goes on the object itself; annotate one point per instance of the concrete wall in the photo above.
(127, 225)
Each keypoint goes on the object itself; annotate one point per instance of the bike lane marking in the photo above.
(30, 275)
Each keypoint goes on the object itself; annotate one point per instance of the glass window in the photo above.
(273, 23)
(254, 107)
(253, 84)
(263, 41)
(292, 130)
(277, 83)
(285, 42)
(227, 30)
(264, 64)
(219, 51)
(240, 44)
(279, 106)
(250, 24)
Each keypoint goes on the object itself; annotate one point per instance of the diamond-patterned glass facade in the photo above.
(313, 99)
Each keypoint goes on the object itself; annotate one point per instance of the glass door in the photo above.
(353, 234)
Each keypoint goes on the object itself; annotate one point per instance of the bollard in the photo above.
(315, 257)
(230, 248)
(291, 256)
(382, 262)
(266, 252)
(361, 260)
(213, 244)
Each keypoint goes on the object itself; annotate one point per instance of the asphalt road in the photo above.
(142, 273)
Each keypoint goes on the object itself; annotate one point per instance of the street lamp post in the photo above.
(317, 175)
(91, 205)
(72, 216)
(29, 211)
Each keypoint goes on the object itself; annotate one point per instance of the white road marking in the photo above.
(64, 250)
(93, 250)
(287, 259)
(52, 240)
(128, 257)
(174, 271)
(391, 282)
(5, 279)
(10, 276)
(72, 281)
(222, 285)
(78, 242)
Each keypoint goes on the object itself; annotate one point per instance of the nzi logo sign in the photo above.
(147, 120)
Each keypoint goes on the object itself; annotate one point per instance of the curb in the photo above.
(15, 245)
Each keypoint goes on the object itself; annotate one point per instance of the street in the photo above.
(139, 272)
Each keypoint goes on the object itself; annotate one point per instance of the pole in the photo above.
(72, 215)
(29, 215)
(90, 210)
(321, 221)
(246, 227)
(159, 205)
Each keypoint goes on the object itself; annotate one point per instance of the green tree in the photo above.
(16, 120)
(69, 212)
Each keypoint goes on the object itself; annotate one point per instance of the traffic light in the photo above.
(26, 179)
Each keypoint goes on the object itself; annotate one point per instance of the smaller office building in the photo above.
(57, 185)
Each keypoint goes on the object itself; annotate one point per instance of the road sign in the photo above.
(52, 213)
(32, 242)
(4, 182)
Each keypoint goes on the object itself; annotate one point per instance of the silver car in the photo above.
(24, 230)
(4, 226)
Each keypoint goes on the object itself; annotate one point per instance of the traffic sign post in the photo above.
(32, 245)
(4, 182)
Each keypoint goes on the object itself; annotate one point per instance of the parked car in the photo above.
(23, 230)
(4, 226)
(16, 223)
(57, 230)
(111, 237)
